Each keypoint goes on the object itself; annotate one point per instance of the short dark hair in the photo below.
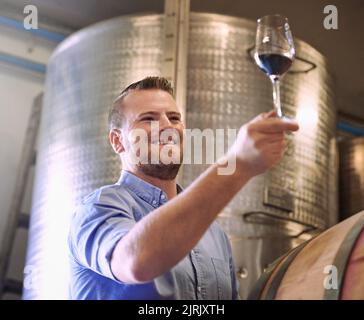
(115, 114)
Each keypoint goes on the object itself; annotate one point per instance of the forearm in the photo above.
(168, 234)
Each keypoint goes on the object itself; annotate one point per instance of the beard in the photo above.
(160, 171)
(167, 165)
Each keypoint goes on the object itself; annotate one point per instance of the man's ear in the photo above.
(116, 142)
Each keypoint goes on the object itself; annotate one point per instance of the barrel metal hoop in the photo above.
(258, 289)
(272, 291)
(342, 259)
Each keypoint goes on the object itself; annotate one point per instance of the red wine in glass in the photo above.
(274, 51)
(274, 64)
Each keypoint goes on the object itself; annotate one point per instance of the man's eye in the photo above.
(175, 119)
(147, 119)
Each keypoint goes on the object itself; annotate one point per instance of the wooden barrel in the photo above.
(329, 266)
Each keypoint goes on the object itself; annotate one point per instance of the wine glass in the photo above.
(274, 51)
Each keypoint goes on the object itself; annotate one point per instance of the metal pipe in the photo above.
(23, 63)
(347, 127)
(41, 32)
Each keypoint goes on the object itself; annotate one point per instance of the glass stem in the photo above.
(276, 96)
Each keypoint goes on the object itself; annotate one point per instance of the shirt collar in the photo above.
(146, 191)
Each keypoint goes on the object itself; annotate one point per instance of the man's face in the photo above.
(153, 131)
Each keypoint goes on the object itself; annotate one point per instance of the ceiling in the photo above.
(344, 47)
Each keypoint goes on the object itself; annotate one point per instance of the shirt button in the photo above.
(154, 202)
(163, 196)
(199, 289)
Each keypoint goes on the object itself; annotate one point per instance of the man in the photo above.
(143, 238)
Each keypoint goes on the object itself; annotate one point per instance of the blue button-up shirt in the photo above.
(107, 214)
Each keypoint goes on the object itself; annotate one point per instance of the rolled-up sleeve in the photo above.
(96, 228)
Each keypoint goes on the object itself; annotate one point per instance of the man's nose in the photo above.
(164, 122)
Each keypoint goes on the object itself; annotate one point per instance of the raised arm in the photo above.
(166, 235)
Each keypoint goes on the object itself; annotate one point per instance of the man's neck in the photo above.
(168, 186)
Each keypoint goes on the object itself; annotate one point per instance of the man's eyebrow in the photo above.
(153, 113)
(148, 113)
(174, 113)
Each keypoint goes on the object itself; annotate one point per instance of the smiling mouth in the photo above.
(163, 143)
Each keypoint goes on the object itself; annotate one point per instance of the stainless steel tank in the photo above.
(290, 203)
(225, 89)
(351, 176)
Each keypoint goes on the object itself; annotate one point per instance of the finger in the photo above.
(265, 115)
(268, 137)
(274, 125)
(271, 114)
(281, 143)
(259, 117)
(276, 145)
(272, 145)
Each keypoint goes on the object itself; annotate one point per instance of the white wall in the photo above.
(18, 88)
